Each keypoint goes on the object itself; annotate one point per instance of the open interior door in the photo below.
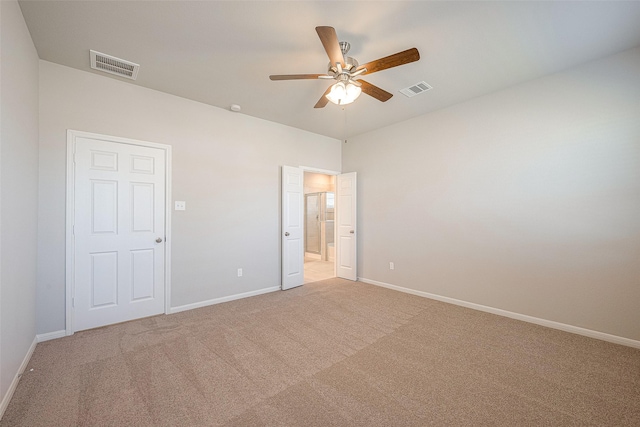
(346, 259)
(292, 227)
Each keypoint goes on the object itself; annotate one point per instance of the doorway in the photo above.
(293, 226)
(319, 226)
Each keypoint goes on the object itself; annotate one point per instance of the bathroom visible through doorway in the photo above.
(319, 226)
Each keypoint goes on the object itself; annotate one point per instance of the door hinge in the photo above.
(73, 302)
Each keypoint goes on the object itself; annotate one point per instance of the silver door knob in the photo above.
(159, 240)
(352, 232)
(286, 233)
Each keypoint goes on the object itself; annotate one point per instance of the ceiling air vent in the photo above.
(415, 89)
(112, 65)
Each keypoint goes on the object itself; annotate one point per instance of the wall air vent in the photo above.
(112, 65)
(415, 89)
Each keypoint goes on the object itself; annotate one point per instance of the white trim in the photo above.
(223, 299)
(70, 243)
(167, 227)
(317, 170)
(51, 335)
(12, 388)
(167, 231)
(523, 317)
(70, 249)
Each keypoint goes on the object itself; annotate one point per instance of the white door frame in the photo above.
(70, 242)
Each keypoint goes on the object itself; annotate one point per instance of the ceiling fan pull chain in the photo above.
(345, 123)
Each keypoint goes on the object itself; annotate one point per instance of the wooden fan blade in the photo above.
(295, 76)
(400, 58)
(323, 99)
(374, 91)
(329, 40)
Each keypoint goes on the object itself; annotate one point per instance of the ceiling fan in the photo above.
(347, 71)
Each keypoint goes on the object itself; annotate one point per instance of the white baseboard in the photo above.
(60, 334)
(12, 388)
(542, 322)
(200, 304)
(51, 335)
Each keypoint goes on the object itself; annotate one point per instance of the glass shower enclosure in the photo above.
(319, 224)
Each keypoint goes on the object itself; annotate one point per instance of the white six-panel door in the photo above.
(292, 227)
(346, 259)
(118, 232)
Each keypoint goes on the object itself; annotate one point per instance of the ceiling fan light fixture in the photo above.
(342, 94)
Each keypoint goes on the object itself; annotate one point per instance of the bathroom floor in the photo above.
(315, 270)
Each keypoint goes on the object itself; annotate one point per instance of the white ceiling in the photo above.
(221, 53)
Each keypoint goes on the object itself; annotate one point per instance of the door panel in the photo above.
(142, 207)
(142, 164)
(107, 161)
(104, 197)
(119, 212)
(346, 226)
(104, 279)
(292, 227)
(142, 269)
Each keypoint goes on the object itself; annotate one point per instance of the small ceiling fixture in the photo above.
(235, 108)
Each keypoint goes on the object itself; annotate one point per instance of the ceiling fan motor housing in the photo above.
(350, 64)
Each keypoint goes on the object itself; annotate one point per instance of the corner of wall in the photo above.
(19, 114)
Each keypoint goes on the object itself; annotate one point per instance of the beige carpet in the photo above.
(329, 353)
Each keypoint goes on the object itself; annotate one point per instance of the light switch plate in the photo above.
(181, 206)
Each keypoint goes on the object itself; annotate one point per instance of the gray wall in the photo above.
(226, 166)
(18, 192)
(526, 200)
